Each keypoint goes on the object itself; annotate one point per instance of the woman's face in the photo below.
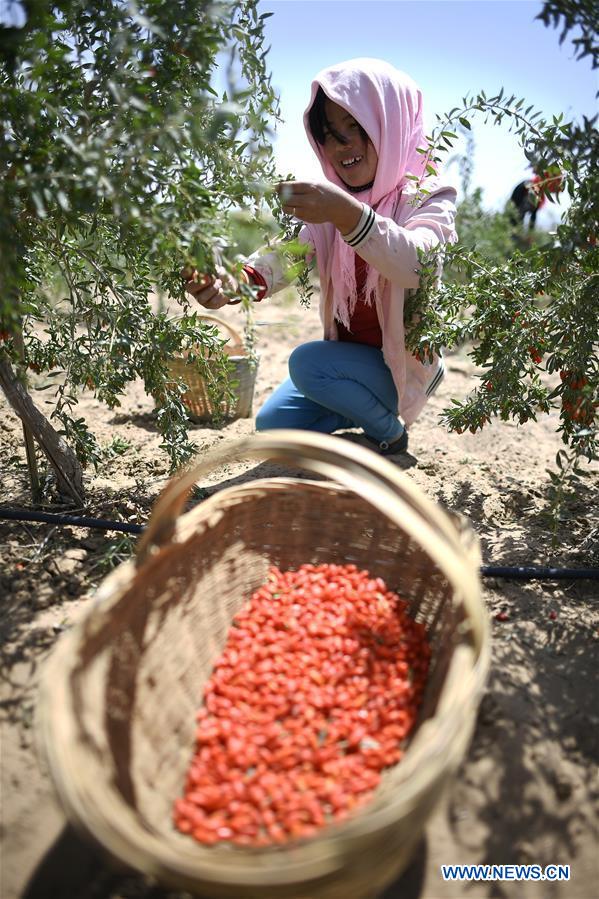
(348, 150)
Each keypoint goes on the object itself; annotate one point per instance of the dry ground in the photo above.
(527, 792)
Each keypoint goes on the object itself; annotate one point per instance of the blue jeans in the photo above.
(333, 385)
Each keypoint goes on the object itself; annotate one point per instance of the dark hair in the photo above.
(319, 124)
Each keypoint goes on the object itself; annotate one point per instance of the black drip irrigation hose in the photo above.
(528, 573)
(518, 572)
(77, 520)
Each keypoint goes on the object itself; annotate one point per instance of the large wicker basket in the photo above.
(242, 379)
(120, 690)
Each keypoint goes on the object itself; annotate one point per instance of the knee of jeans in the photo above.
(301, 362)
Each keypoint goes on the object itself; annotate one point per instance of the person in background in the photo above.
(530, 195)
(365, 225)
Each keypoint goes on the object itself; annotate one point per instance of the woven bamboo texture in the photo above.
(121, 688)
(242, 371)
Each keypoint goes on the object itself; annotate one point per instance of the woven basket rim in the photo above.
(353, 466)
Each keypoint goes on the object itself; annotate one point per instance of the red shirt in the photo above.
(364, 324)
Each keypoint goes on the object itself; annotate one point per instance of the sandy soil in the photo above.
(527, 792)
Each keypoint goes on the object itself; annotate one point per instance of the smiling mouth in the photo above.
(348, 163)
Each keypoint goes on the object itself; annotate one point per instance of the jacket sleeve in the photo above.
(274, 266)
(392, 249)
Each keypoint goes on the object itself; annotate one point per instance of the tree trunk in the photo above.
(69, 474)
(34, 478)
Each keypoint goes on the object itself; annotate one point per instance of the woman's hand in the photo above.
(315, 202)
(211, 292)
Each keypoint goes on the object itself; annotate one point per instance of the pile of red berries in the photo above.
(319, 683)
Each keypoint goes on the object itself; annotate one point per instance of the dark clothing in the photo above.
(526, 201)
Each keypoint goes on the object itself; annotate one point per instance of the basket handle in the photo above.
(217, 320)
(376, 479)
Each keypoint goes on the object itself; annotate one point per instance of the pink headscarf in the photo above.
(388, 105)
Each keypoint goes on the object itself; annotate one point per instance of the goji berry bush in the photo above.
(121, 158)
(528, 315)
(317, 688)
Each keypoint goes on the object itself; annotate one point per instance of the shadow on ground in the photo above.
(71, 869)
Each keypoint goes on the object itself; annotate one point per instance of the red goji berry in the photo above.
(318, 685)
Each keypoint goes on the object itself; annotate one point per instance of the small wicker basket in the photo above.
(116, 712)
(242, 379)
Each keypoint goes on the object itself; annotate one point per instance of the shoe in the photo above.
(386, 448)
